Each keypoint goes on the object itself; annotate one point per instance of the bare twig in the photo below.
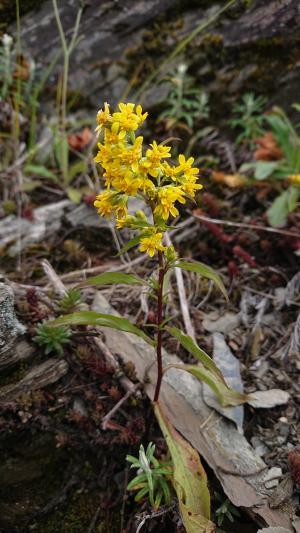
(54, 279)
(182, 297)
(111, 413)
(154, 514)
(246, 226)
(79, 275)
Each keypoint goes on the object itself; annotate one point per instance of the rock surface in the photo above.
(10, 327)
(123, 42)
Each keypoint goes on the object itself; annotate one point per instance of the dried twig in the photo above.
(111, 413)
(244, 225)
(54, 279)
(182, 297)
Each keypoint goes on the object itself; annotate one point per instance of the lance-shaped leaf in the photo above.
(189, 479)
(225, 394)
(110, 278)
(128, 245)
(92, 318)
(204, 271)
(189, 344)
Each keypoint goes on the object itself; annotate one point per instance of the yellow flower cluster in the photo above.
(128, 171)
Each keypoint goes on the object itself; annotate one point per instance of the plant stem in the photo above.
(67, 51)
(160, 294)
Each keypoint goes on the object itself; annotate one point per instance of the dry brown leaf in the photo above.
(268, 148)
(78, 141)
(233, 181)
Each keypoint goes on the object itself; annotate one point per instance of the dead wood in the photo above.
(38, 377)
(21, 352)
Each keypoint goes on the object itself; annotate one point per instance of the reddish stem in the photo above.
(160, 297)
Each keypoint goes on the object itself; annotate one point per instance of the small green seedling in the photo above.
(52, 339)
(152, 478)
(249, 118)
(226, 510)
(185, 103)
(70, 301)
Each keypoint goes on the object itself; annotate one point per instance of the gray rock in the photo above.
(266, 399)
(19, 233)
(10, 327)
(230, 368)
(223, 324)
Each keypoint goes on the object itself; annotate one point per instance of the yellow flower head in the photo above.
(158, 152)
(105, 154)
(152, 244)
(103, 117)
(189, 186)
(185, 166)
(131, 156)
(127, 119)
(166, 198)
(171, 172)
(109, 202)
(294, 179)
(128, 183)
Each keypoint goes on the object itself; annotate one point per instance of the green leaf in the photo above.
(28, 186)
(264, 169)
(74, 195)
(92, 318)
(189, 479)
(110, 278)
(141, 493)
(284, 204)
(130, 244)
(41, 171)
(187, 342)
(204, 271)
(62, 152)
(142, 478)
(77, 168)
(225, 394)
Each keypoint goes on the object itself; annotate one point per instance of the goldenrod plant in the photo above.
(149, 174)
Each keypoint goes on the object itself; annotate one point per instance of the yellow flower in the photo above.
(153, 157)
(152, 244)
(103, 117)
(105, 155)
(113, 174)
(110, 137)
(128, 183)
(104, 204)
(189, 186)
(157, 152)
(166, 197)
(170, 172)
(130, 156)
(109, 202)
(126, 119)
(185, 166)
(294, 179)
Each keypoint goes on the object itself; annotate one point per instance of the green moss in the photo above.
(77, 516)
